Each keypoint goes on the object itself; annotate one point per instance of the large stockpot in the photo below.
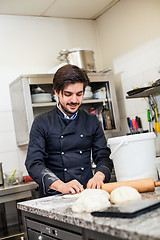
(1, 175)
(83, 58)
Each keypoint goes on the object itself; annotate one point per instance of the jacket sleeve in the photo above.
(101, 152)
(36, 155)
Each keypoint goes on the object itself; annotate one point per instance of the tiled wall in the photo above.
(29, 45)
(11, 156)
(129, 36)
(138, 106)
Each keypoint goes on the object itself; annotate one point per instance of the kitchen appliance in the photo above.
(1, 175)
(38, 230)
(83, 58)
(142, 185)
(134, 156)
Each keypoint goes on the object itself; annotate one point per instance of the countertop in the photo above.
(146, 226)
(15, 192)
(9, 189)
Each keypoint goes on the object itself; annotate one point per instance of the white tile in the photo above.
(9, 161)
(141, 105)
(130, 107)
(157, 98)
(143, 116)
(124, 126)
(22, 153)
(5, 102)
(158, 147)
(136, 81)
(118, 87)
(126, 86)
(121, 107)
(6, 121)
(150, 76)
(157, 70)
(8, 141)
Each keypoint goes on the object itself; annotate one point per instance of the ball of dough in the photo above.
(91, 200)
(124, 193)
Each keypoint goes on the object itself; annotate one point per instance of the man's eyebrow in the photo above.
(72, 92)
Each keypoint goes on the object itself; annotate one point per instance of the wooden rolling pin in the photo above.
(142, 185)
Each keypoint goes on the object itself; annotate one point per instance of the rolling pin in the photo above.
(142, 185)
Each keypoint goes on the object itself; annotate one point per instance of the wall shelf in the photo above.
(146, 93)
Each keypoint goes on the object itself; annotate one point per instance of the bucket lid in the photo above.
(132, 138)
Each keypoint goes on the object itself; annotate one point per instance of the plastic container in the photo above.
(134, 156)
(17, 179)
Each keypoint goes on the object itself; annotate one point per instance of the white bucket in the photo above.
(134, 156)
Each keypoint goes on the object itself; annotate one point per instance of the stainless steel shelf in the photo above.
(49, 104)
(146, 93)
(24, 111)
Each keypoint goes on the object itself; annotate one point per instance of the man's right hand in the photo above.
(70, 187)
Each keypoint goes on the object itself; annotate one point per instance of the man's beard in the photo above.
(67, 111)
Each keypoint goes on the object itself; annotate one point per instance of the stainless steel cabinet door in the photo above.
(33, 235)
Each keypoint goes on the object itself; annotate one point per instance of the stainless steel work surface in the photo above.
(13, 190)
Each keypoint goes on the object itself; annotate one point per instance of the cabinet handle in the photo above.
(55, 232)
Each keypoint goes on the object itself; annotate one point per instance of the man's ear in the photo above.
(56, 93)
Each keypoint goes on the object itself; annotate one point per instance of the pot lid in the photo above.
(80, 49)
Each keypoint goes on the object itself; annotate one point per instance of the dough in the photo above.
(124, 193)
(91, 200)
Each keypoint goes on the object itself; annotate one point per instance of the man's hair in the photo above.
(69, 74)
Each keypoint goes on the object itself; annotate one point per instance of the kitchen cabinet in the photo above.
(45, 231)
(24, 111)
(19, 192)
(43, 228)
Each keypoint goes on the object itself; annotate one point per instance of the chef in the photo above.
(64, 140)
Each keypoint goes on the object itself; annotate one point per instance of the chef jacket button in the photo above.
(62, 153)
(82, 168)
(81, 135)
(62, 136)
(80, 152)
(65, 169)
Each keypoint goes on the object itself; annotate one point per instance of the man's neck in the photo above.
(66, 115)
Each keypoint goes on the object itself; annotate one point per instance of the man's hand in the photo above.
(96, 181)
(70, 187)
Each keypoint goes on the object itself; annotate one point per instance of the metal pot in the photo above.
(1, 175)
(79, 57)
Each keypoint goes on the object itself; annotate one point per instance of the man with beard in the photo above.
(64, 140)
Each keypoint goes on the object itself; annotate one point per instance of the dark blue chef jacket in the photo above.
(62, 149)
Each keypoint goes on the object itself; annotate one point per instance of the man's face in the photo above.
(71, 99)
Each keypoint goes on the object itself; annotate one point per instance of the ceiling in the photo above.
(77, 9)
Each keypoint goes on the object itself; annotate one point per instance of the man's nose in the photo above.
(74, 98)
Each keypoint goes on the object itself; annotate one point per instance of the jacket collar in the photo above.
(71, 124)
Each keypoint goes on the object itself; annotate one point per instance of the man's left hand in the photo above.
(96, 181)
